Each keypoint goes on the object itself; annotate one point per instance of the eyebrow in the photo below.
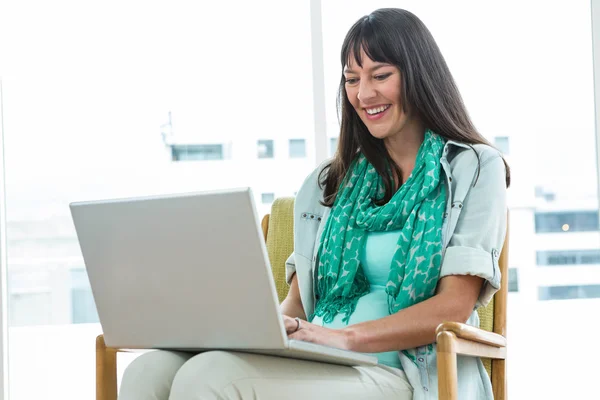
(372, 69)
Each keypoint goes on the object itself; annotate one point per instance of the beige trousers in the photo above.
(166, 375)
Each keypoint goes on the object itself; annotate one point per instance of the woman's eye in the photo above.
(351, 81)
(382, 77)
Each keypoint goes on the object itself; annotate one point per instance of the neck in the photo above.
(404, 146)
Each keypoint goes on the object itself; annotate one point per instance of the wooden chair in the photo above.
(452, 338)
(488, 342)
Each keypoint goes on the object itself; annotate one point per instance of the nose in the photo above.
(365, 91)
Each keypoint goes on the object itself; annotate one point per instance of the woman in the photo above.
(410, 220)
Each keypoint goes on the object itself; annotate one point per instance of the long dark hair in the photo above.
(398, 37)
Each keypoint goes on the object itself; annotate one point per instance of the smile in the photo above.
(376, 112)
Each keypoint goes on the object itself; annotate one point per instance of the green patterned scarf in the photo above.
(416, 209)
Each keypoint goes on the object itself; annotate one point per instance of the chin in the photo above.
(378, 134)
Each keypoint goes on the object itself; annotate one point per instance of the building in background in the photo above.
(557, 229)
(48, 283)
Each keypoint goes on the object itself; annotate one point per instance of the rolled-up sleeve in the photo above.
(475, 246)
(290, 268)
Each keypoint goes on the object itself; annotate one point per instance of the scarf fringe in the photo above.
(330, 306)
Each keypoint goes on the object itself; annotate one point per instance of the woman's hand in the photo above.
(312, 333)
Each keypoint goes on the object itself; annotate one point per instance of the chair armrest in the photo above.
(457, 338)
(106, 369)
(471, 333)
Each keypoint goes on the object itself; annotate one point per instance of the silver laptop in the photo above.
(187, 272)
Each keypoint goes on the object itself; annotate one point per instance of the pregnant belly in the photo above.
(371, 306)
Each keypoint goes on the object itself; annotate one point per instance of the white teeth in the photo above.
(372, 111)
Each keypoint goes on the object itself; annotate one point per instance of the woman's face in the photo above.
(374, 92)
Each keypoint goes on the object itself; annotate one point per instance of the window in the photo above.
(569, 292)
(513, 280)
(196, 152)
(566, 221)
(268, 198)
(30, 308)
(131, 146)
(501, 143)
(333, 142)
(265, 149)
(297, 148)
(568, 257)
(120, 99)
(83, 307)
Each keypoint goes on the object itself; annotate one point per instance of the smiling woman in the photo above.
(391, 256)
(83, 107)
(395, 83)
(374, 90)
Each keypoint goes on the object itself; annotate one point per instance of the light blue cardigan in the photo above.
(473, 234)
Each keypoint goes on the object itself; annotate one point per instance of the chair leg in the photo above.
(447, 369)
(106, 371)
(499, 379)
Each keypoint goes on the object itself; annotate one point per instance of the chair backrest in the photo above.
(278, 228)
(498, 370)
